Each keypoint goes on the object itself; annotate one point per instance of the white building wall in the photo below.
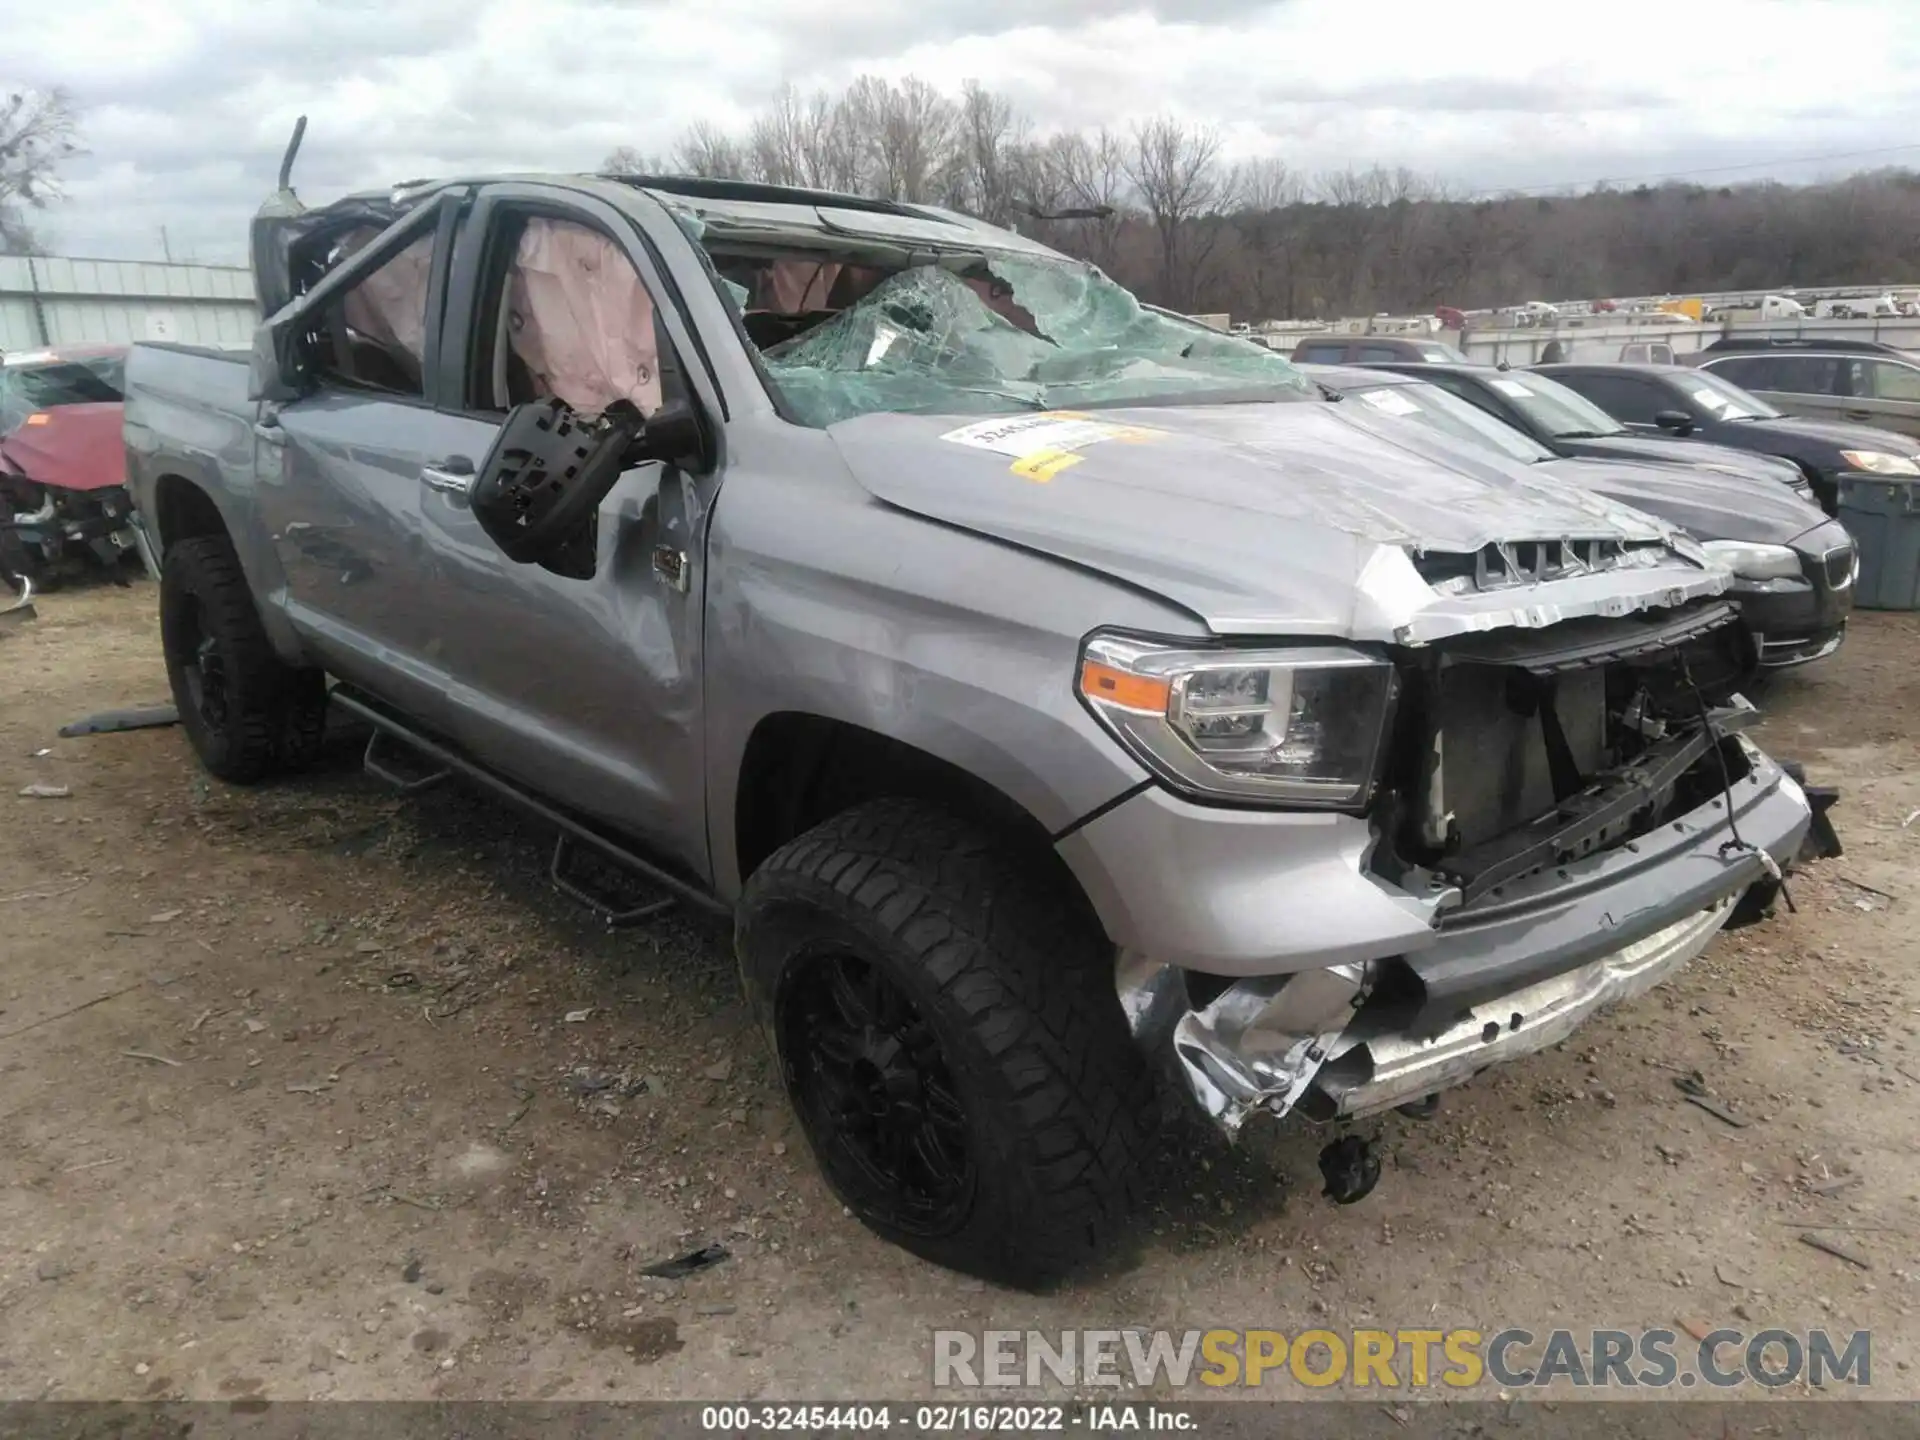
(48, 300)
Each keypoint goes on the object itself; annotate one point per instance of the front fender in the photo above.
(823, 601)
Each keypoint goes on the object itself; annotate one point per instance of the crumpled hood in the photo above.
(1277, 518)
(1706, 505)
(1840, 433)
(1700, 454)
(79, 447)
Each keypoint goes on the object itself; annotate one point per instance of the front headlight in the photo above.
(1752, 561)
(1299, 726)
(1879, 462)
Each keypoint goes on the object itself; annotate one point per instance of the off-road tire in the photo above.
(1015, 983)
(273, 715)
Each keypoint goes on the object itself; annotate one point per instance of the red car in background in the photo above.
(62, 460)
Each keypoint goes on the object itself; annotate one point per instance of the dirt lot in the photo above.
(310, 1091)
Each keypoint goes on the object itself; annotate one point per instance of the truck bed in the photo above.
(187, 414)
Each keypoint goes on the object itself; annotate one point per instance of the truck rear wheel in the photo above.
(946, 1026)
(247, 713)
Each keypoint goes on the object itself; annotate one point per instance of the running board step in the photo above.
(578, 839)
(565, 874)
(379, 763)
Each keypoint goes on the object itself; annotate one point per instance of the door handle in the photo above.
(452, 477)
(1858, 414)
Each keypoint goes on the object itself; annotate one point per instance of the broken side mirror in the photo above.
(275, 371)
(1677, 422)
(541, 484)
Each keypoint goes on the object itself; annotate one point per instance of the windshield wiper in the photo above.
(1583, 434)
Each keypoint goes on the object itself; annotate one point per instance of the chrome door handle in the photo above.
(453, 478)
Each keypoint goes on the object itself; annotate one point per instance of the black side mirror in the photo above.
(674, 434)
(1678, 422)
(542, 482)
(275, 371)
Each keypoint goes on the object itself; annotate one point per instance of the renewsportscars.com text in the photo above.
(1512, 1358)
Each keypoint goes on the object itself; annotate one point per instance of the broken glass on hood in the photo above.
(1014, 334)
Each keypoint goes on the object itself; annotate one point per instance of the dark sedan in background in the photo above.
(1570, 425)
(1793, 567)
(1685, 402)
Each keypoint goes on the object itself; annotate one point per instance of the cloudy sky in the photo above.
(187, 103)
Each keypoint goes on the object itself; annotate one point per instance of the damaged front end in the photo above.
(1578, 807)
(46, 525)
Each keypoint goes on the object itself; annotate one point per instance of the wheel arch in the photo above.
(186, 506)
(799, 769)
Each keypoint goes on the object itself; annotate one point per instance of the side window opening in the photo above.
(1627, 398)
(566, 315)
(1895, 382)
(374, 336)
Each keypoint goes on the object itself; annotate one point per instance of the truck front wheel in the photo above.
(247, 713)
(945, 1023)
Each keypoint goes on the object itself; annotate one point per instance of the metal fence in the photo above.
(1604, 338)
(45, 300)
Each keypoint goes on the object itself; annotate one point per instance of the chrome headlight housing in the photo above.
(1880, 462)
(1750, 560)
(1297, 726)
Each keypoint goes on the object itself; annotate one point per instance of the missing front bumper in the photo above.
(1362, 1035)
(1297, 1042)
(1378, 1073)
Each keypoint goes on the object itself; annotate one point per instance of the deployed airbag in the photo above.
(580, 320)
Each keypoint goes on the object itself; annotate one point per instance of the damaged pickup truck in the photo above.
(1057, 695)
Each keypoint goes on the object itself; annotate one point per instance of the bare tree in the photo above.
(626, 160)
(1269, 225)
(1092, 172)
(1172, 220)
(990, 136)
(707, 150)
(1176, 173)
(777, 141)
(831, 146)
(38, 133)
(907, 132)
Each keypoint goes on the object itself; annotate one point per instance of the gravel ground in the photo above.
(309, 1091)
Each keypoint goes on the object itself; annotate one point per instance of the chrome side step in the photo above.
(22, 607)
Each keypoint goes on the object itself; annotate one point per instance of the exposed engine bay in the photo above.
(1517, 750)
(1542, 787)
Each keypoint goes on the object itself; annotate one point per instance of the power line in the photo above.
(1703, 170)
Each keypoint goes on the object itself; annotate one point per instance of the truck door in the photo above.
(340, 467)
(587, 689)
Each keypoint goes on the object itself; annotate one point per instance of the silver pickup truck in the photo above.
(1063, 699)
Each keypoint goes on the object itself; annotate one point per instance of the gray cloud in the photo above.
(188, 102)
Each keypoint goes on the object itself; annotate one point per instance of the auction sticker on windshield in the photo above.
(1390, 402)
(1043, 445)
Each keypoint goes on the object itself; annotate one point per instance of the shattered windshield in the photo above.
(993, 334)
